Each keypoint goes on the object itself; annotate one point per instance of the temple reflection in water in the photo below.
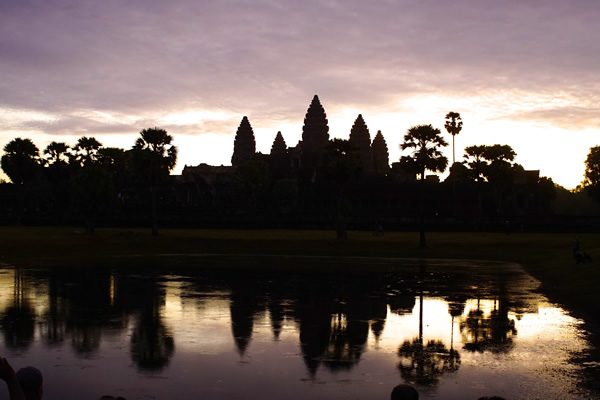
(431, 322)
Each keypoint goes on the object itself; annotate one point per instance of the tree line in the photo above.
(86, 179)
(319, 183)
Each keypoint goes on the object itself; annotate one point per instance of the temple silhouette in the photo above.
(304, 158)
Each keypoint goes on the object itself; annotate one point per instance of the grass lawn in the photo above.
(547, 256)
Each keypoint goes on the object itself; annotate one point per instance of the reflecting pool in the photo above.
(455, 330)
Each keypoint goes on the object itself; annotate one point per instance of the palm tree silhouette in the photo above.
(453, 126)
(20, 162)
(56, 153)
(425, 142)
(155, 156)
(86, 150)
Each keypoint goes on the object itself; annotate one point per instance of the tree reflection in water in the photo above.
(53, 327)
(86, 338)
(456, 307)
(152, 345)
(346, 342)
(493, 332)
(377, 316)
(334, 322)
(18, 320)
(18, 326)
(88, 310)
(424, 364)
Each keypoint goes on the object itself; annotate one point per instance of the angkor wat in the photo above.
(318, 183)
(312, 183)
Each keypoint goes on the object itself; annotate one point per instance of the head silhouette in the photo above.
(30, 379)
(404, 392)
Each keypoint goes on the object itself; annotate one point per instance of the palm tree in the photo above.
(21, 162)
(86, 150)
(591, 181)
(114, 161)
(155, 157)
(57, 156)
(425, 142)
(453, 126)
(57, 153)
(475, 159)
(492, 164)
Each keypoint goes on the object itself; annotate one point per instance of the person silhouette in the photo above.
(31, 382)
(27, 383)
(404, 392)
(7, 374)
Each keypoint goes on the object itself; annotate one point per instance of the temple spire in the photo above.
(360, 138)
(279, 147)
(244, 145)
(381, 158)
(315, 134)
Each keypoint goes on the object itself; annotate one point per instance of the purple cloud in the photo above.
(134, 56)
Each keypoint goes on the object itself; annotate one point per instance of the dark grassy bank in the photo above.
(546, 256)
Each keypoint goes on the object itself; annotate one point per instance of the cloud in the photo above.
(83, 123)
(144, 56)
(568, 118)
(74, 125)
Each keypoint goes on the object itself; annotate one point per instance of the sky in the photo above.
(522, 72)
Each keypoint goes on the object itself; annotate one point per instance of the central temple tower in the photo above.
(315, 134)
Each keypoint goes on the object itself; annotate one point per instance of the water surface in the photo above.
(455, 330)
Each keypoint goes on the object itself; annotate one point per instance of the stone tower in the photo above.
(279, 157)
(360, 138)
(244, 146)
(315, 134)
(279, 148)
(381, 158)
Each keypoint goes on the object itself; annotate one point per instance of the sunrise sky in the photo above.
(523, 73)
